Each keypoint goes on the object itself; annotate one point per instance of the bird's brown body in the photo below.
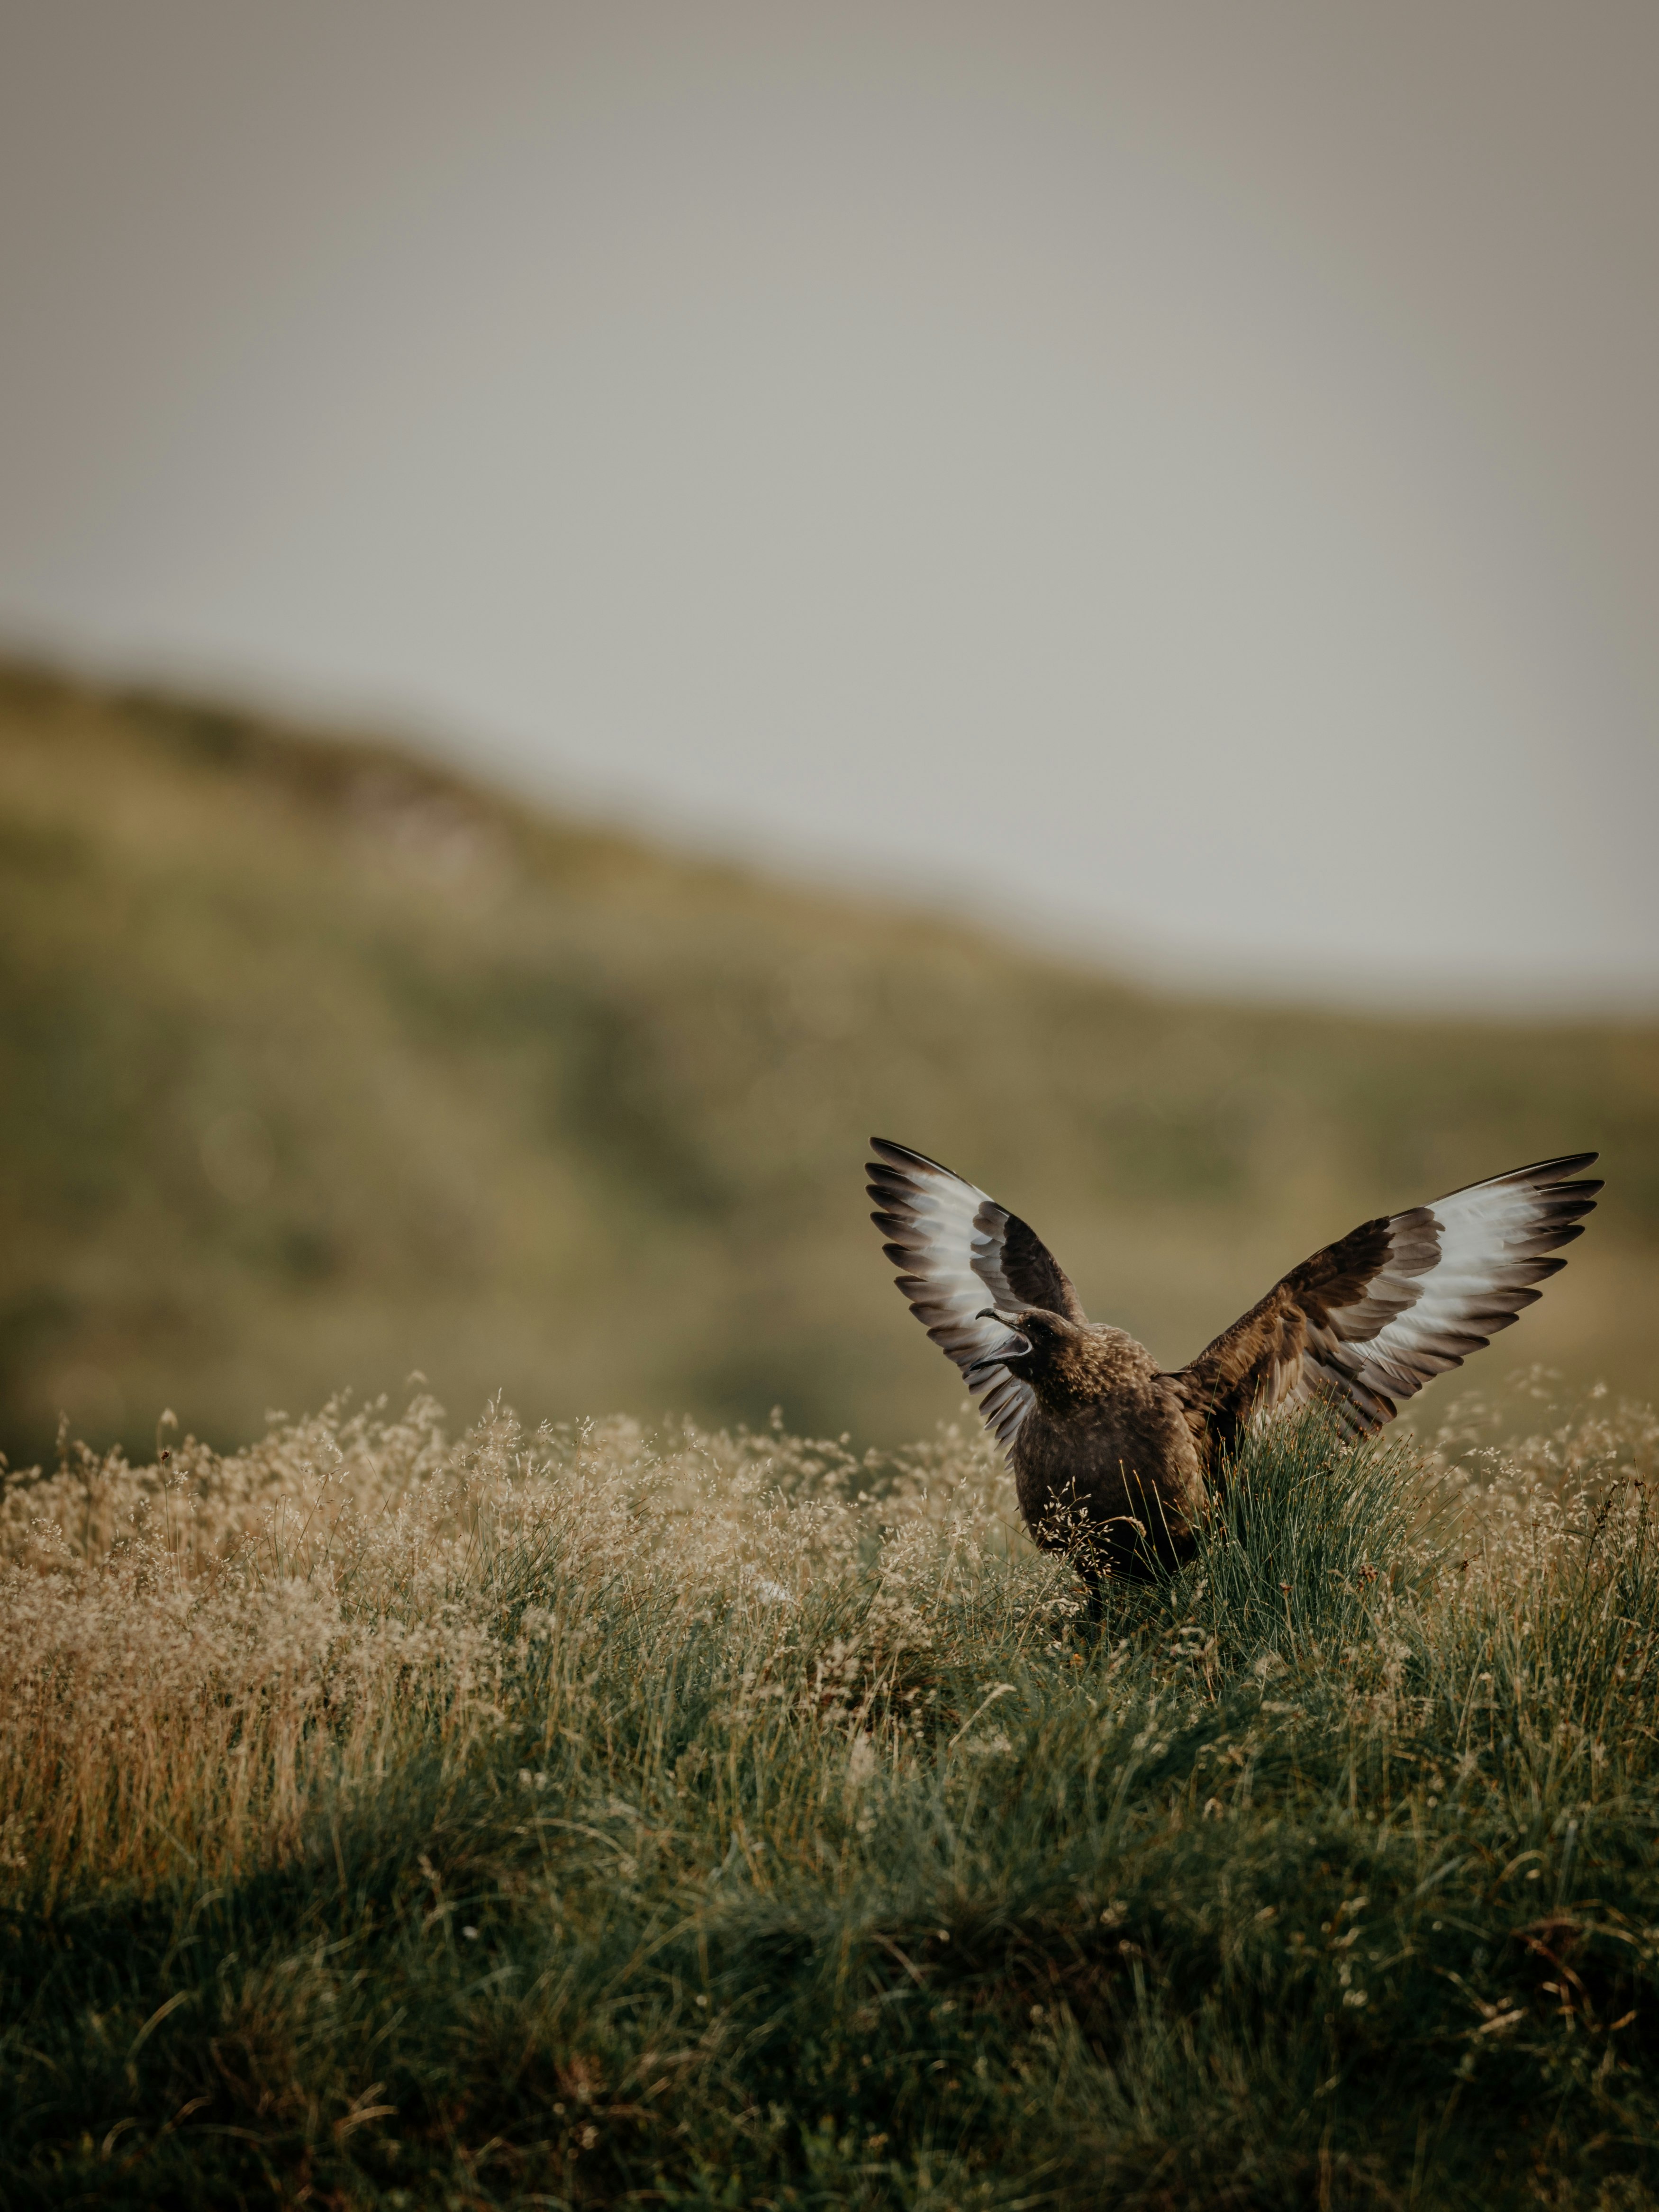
(1116, 1461)
(1106, 1462)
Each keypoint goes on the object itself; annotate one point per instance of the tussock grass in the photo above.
(595, 1817)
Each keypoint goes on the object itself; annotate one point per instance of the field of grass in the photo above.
(595, 1817)
(318, 1065)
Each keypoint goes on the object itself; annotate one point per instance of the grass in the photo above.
(724, 1820)
(318, 1064)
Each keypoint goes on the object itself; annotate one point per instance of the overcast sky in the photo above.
(1183, 476)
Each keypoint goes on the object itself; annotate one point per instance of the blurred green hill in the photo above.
(318, 1065)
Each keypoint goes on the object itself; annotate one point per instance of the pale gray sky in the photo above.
(1184, 476)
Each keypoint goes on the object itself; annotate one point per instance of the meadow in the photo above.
(596, 1816)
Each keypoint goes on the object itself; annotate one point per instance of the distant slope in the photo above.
(318, 1065)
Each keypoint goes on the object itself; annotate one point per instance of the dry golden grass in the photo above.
(193, 1651)
(595, 1816)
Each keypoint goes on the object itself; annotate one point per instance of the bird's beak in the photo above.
(1017, 1347)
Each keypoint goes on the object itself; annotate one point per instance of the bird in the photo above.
(1116, 1461)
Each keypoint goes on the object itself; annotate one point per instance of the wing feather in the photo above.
(1368, 1321)
(958, 1252)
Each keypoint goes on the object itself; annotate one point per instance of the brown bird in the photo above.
(1116, 1461)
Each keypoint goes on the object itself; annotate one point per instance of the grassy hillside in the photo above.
(598, 1820)
(318, 1065)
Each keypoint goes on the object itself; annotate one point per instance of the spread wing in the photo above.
(960, 1252)
(1368, 1320)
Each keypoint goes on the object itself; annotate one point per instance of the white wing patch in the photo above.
(1487, 1246)
(947, 1236)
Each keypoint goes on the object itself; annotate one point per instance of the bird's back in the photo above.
(1108, 1442)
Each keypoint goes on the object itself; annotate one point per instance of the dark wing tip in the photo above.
(1548, 1173)
(1547, 1180)
(890, 1153)
(902, 1155)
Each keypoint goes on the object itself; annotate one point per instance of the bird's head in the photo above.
(1038, 1342)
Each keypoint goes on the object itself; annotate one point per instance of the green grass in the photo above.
(721, 1820)
(318, 1065)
